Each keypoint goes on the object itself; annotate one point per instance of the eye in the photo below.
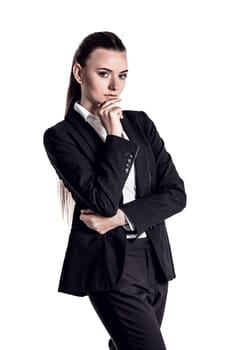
(103, 74)
(123, 76)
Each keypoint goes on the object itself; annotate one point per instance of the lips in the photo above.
(110, 95)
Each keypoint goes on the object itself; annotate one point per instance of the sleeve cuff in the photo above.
(129, 226)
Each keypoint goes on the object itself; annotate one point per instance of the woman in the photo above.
(124, 185)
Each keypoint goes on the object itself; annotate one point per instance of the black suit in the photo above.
(95, 172)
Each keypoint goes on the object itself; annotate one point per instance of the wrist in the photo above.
(121, 219)
(115, 132)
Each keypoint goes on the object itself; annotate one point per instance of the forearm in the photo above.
(166, 196)
(151, 210)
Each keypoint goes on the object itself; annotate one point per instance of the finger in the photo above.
(109, 111)
(109, 102)
(87, 211)
(109, 99)
(84, 216)
(115, 111)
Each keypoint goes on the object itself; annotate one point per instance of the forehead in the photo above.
(103, 58)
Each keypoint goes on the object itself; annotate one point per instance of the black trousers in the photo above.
(132, 312)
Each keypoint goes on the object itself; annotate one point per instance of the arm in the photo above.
(98, 186)
(169, 196)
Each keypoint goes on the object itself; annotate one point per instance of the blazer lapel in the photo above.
(89, 140)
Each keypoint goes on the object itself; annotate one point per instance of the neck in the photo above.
(89, 106)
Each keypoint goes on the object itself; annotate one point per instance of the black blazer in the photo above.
(95, 172)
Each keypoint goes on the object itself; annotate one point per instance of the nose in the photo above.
(113, 84)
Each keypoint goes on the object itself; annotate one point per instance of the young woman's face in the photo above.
(102, 78)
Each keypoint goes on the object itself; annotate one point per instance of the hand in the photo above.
(102, 224)
(110, 115)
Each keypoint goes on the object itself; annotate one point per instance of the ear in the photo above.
(77, 72)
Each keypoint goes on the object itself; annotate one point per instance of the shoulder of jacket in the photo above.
(60, 126)
(138, 114)
(139, 117)
(59, 130)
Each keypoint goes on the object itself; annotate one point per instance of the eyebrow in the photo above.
(109, 70)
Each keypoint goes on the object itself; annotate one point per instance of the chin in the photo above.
(100, 102)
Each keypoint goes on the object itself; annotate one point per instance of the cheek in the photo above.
(96, 85)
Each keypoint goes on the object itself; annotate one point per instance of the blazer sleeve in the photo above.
(168, 197)
(98, 186)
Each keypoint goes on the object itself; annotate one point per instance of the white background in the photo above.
(180, 61)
